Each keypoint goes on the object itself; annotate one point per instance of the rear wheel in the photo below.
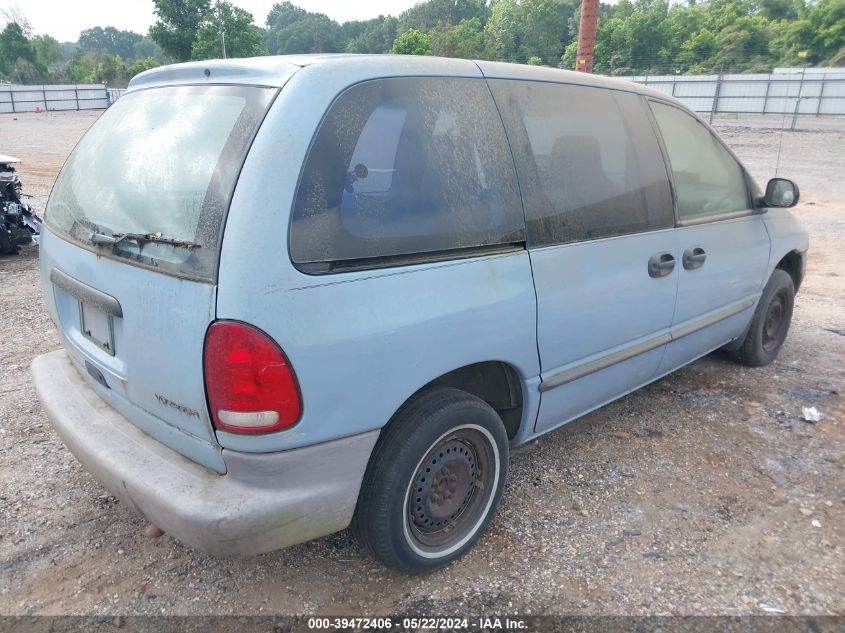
(770, 323)
(434, 481)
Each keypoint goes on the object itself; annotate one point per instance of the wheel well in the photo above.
(495, 382)
(791, 263)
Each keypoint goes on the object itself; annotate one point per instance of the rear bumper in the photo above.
(264, 502)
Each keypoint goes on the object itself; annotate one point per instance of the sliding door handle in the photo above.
(661, 264)
(694, 257)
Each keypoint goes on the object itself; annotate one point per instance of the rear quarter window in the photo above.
(405, 168)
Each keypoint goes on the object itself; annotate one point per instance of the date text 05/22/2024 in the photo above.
(419, 623)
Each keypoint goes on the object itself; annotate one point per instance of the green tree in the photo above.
(465, 40)
(411, 42)
(503, 30)
(545, 29)
(110, 40)
(177, 24)
(140, 65)
(240, 38)
(426, 15)
(790, 37)
(778, 9)
(697, 49)
(634, 38)
(370, 36)
(294, 30)
(82, 68)
(18, 57)
(148, 49)
(47, 50)
(827, 18)
(284, 14)
(110, 69)
(743, 46)
(14, 46)
(838, 58)
(567, 61)
(535, 61)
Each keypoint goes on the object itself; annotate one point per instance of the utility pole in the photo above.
(587, 35)
(222, 30)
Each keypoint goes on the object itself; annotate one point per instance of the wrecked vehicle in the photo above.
(18, 224)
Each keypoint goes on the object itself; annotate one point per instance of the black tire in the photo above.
(770, 323)
(433, 482)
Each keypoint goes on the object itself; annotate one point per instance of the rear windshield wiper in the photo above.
(141, 239)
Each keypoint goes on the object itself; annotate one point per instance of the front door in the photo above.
(723, 247)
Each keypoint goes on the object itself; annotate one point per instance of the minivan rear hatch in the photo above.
(129, 259)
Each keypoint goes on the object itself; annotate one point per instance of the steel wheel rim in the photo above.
(470, 471)
(776, 321)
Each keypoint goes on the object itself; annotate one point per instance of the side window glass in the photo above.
(707, 178)
(588, 161)
(406, 166)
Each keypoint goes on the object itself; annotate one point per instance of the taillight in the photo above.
(250, 385)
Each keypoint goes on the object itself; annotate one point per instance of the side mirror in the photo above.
(781, 192)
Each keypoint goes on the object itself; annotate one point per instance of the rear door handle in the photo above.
(661, 264)
(694, 257)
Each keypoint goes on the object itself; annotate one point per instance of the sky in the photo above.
(64, 19)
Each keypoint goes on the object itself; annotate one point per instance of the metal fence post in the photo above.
(716, 97)
(798, 100)
(12, 97)
(44, 94)
(768, 89)
(821, 95)
(76, 93)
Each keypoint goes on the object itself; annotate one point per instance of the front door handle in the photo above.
(694, 257)
(661, 264)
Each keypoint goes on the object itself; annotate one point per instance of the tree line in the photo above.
(100, 55)
(634, 37)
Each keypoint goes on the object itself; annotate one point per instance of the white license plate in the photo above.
(97, 327)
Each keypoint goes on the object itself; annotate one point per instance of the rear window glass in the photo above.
(152, 179)
(405, 166)
(588, 161)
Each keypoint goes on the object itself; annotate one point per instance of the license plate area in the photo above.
(97, 327)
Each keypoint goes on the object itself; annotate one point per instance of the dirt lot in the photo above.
(705, 493)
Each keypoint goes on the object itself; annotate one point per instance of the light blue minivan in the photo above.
(301, 292)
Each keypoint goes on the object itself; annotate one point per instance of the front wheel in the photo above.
(434, 481)
(770, 323)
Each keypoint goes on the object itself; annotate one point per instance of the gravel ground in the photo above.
(704, 493)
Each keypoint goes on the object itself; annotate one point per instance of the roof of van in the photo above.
(277, 69)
